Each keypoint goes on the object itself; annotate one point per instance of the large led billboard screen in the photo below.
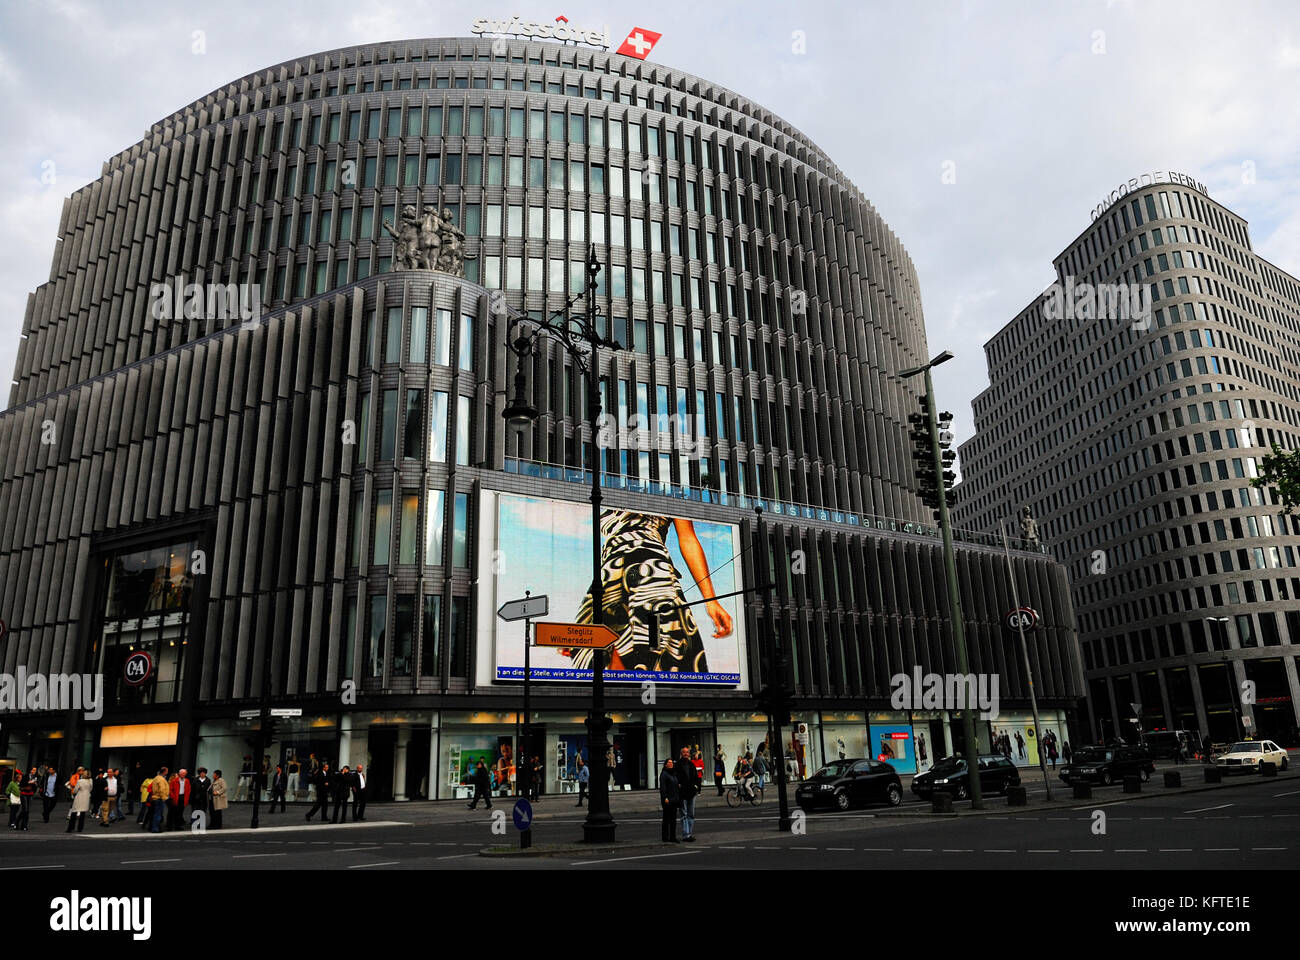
(653, 566)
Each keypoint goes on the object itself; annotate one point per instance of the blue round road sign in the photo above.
(523, 814)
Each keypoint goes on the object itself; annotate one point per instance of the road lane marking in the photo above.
(1222, 806)
(1174, 850)
(170, 860)
(36, 866)
(249, 856)
(1222, 849)
(357, 850)
(388, 863)
(647, 856)
(1289, 794)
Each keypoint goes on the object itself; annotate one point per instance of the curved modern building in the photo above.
(323, 486)
(1134, 441)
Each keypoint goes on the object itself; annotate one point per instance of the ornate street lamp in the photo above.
(579, 338)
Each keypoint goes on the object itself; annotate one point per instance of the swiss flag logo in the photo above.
(639, 43)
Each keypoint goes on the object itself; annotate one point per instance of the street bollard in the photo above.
(1213, 775)
(1268, 769)
(941, 802)
(1173, 778)
(1132, 784)
(1017, 797)
(1083, 791)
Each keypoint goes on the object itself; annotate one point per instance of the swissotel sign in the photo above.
(560, 30)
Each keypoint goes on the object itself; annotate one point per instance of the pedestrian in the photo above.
(322, 784)
(109, 807)
(13, 797)
(159, 790)
(482, 785)
(26, 791)
(669, 792)
(279, 785)
(1051, 752)
(688, 785)
(178, 798)
(1066, 754)
(359, 793)
(719, 769)
(537, 778)
(584, 777)
(49, 793)
(760, 768)
(79, 786)
(342, 794)
(201, 793)
(220, 799)
(145, 816)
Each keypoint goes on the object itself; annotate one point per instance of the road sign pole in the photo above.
(1024, 650)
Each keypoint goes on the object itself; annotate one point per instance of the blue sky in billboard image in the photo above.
(545, 547)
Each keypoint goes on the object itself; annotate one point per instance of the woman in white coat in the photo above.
(80, 800)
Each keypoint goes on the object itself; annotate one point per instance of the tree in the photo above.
(1281, 469)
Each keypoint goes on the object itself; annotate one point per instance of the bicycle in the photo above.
(736, 796)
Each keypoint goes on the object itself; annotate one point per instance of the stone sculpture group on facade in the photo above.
(428, 242)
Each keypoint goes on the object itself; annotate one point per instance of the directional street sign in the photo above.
(594, 636)
(524, 609)
(523, 814)
(286, 711)
(249, 714)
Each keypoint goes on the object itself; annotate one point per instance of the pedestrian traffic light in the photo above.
(923, 453)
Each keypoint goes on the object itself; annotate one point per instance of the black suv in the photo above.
(997, 773)
(1107, 765)
(847, 783)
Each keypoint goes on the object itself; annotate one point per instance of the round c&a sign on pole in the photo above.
(138, 668)
(1026, 617)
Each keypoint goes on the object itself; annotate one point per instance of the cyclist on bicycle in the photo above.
(745, 778)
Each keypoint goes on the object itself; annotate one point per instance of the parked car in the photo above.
(1163, 744)
(1246, 756)
(1107, 765)
(997, 773)
(847, 783)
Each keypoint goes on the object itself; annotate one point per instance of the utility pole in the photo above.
(775, 698)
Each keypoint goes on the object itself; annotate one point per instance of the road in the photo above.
(1248, 822)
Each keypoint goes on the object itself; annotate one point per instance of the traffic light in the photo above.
(947, 455)
(923, 454)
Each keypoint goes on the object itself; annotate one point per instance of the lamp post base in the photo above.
(599, 831)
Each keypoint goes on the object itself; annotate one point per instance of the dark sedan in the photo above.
(1107, 765)
(848, 783)
(997, 773)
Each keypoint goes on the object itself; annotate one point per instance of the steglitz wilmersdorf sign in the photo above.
(560, 30)
(1146, 180)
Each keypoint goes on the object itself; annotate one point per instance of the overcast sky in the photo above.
(1041, 107)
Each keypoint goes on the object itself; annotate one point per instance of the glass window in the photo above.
(383, 527)
(466, 345)
(412, 448)
(373, 665)
(430, 647)
(438, 427)
(460, 532)
(408, 540)
(403, 635)
(393, 336)
(388, 428)
(442, 338)
(462, 430)
(433, 520)
(419, 333)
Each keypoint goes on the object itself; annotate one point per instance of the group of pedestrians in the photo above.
(679, 784)
(346, 788)
(165, 798)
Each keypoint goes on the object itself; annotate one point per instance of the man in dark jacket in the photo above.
(669, 794)
(323, 783)
(482, 785)
(360, 786)
(98, 795)
(342, 794)
(688, 785)
(279, 784)
(201, 792)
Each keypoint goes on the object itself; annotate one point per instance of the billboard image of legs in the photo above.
(670, 570)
